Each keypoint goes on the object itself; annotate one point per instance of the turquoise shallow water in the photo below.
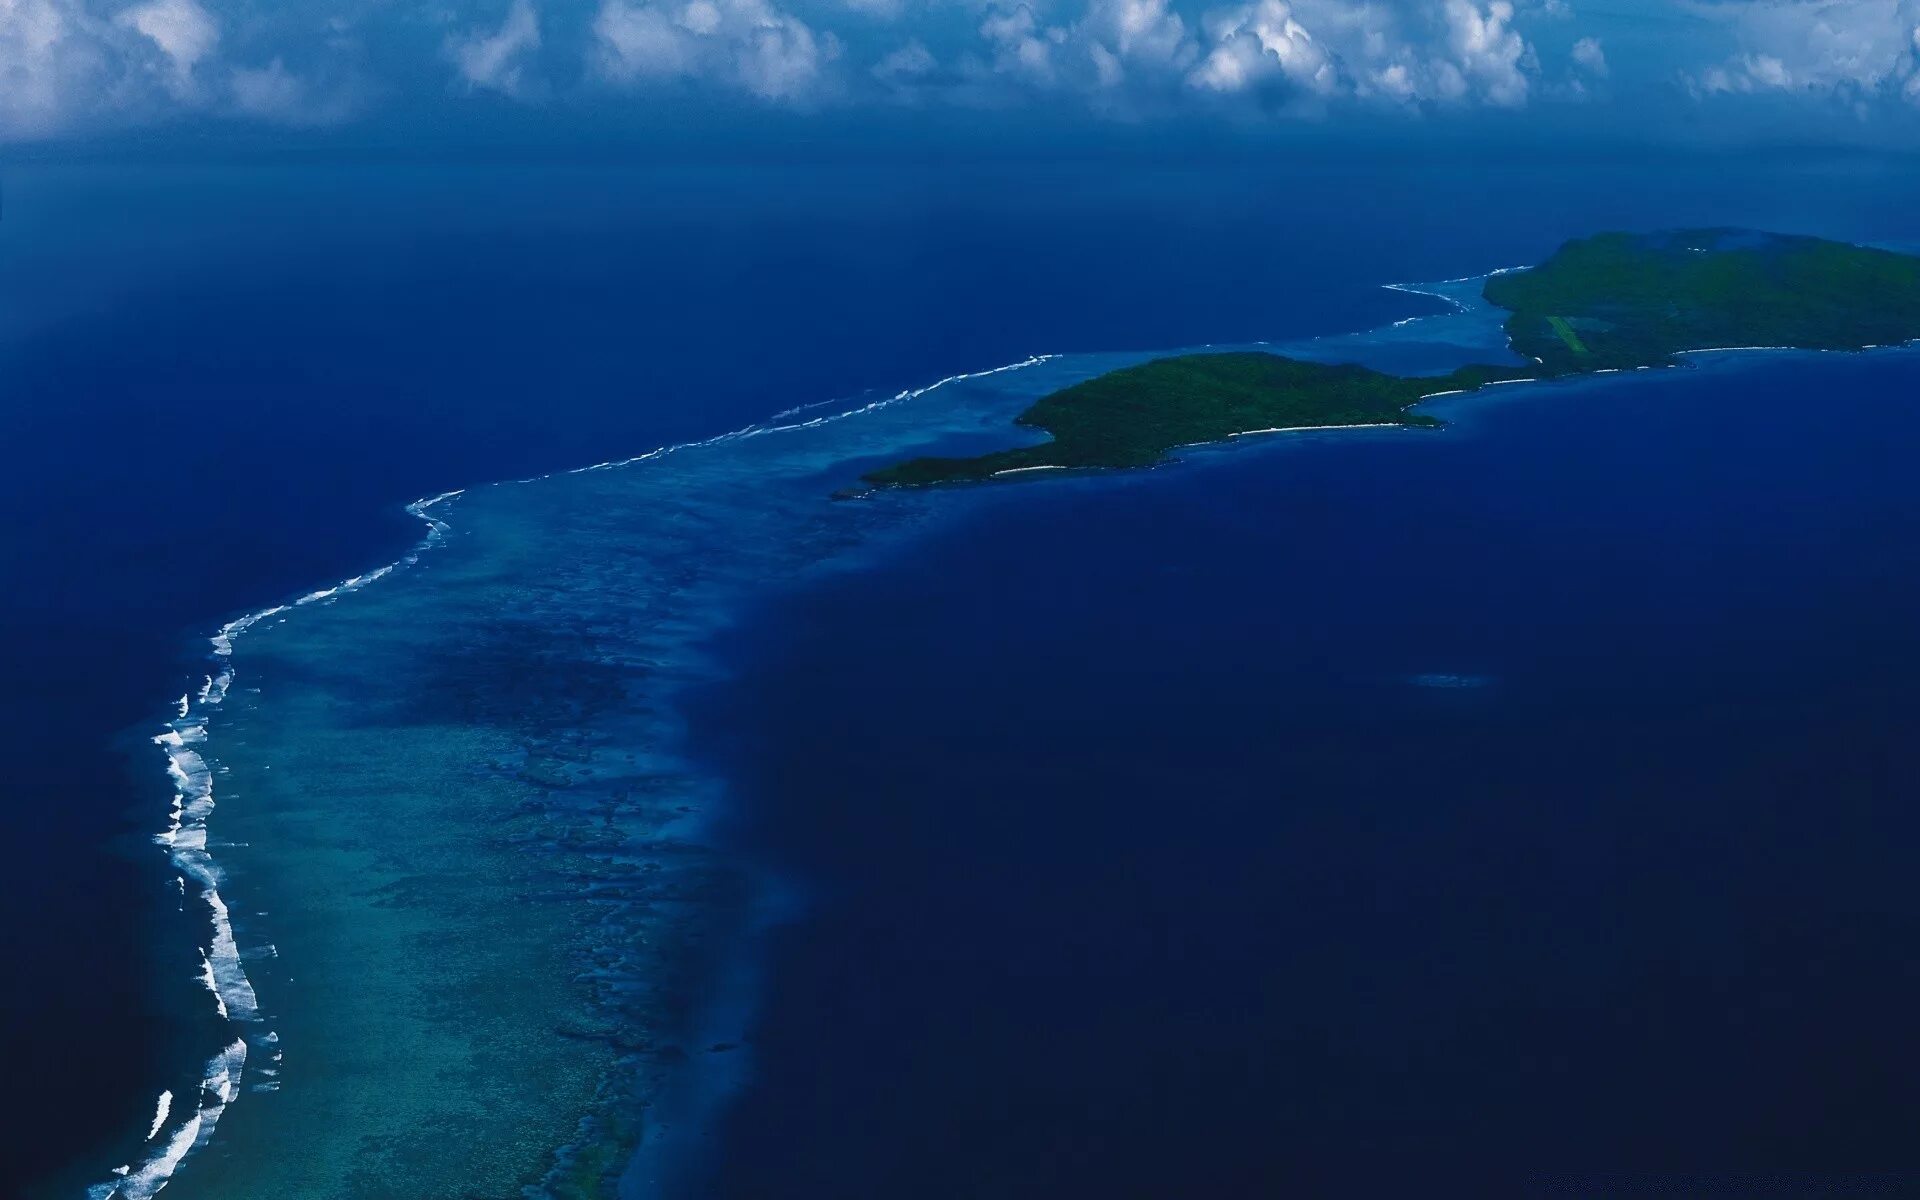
(368, 333)
(473, 883)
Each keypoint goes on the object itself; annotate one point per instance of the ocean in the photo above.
(909, 830)
(1512, 809)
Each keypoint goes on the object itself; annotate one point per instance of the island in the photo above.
(1614, 301)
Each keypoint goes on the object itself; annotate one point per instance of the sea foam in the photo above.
(219, 1084)
(222, 970)
(180, 1127)
(185, 838)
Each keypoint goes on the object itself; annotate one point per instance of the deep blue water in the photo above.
(221, 382)
(1150, 856)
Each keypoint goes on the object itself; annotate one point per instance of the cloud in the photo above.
(1021, 47)
(909, 63)
(1262, 57)
(74, 66)
(1452, 53)
(274, 94)
(71, 68)
(1855, 51)
(1147, 32)
(44, 60)
(66, 65)
(271, 91)
(184, 32)
(1489, 54)
(749, 45)
(497, 61)
(1260, 45)
(1588, 55)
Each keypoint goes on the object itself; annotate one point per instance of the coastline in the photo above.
(186, 841)
(180, 1131)
(1171, 551)
(388, 393)
(228, 1086)
(1312, 428)
(1608, 301)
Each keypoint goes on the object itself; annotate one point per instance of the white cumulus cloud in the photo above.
(76, 66)
(45, 61)
(1489, 53)
(1450, 52)
(1022, 47)
(496, 61)
(745, 44)
(1147, 32)
(1851, 50)
(1263, 43)
(275, 94)
(910, 62)
(184, 32)
(1588, 54)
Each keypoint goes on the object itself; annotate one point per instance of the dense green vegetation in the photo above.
(1636, 300)
(1132, 417)
(1608, 302)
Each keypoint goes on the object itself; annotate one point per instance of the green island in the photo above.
(1615, 301)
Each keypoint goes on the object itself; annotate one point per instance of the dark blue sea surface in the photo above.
(223, 381)
(1364, 814)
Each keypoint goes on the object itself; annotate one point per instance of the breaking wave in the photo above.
(177, 1129)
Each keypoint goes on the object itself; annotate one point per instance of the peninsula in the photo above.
(1614, 301)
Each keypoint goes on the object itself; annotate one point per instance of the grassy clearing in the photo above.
(1567, 335)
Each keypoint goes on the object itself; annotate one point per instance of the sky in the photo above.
(1840, 71)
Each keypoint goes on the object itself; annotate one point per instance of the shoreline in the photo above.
(186, 841)
(1603, 301)
(180, 1127)
(194, 770)
(1308, 429)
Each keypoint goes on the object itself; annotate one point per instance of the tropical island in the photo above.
(1615, 301)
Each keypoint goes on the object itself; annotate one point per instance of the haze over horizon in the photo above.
(166, 76)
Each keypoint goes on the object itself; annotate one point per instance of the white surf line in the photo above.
(1214, 443)
(1414, 289)
(221, 970)
(1495, 271)
(1496, 383)
(1577, 375)
(1024, 470)
(797, 409)
(1732, 349)
(218, 1089)
(1033, 360)
(761, 429)
(160, 1114)
(1483, 387)
(1783, 350)
(1425, 289)
(1318, 428)
(1789, 350)
(1488, 274)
